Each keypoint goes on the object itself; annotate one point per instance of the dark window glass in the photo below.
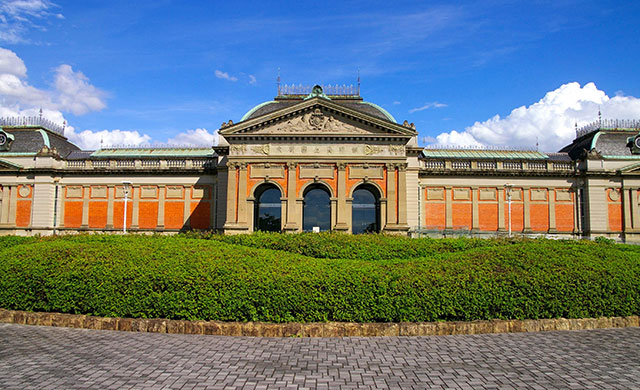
(268, 211)
(317, 210)
(365, 212)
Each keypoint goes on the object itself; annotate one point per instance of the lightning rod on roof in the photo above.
(358, 81)
(278, 81)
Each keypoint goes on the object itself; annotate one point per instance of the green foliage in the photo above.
(318, 277)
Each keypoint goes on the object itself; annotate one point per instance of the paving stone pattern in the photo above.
(40, 357)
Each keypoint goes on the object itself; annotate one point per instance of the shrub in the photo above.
(244, 278)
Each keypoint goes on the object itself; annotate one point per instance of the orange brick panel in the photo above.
(98, 215)
(72, 214)
(539, 217)
(148, 215)
(564, 217)
(200, 215)
(118, 213)
(615, 217)
(488, 216)
(461, 215)
(434, 216)
(173, 215)
(517, 217)
(23, 213)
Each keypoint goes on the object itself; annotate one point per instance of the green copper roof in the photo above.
(153, 152)
(482, 153)
(251, 111)
(385, 112)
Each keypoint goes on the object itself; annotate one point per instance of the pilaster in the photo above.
(392, 209)
(291, 224)
(162, 193)
(526, 198)
(86, 193)
(186, 213)
(111, 190)
(342, 210)
(475, 218)
(552, 210)
(501, 210)
(135, 206)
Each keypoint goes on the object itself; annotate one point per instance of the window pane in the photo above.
(268, 211)
(317, 210)
(365, 212)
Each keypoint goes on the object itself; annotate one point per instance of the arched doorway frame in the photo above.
(332, 201)
(382, 218)
(252, 202)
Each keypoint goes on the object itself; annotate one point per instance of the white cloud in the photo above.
(197, 137)
(91, 140)
(252, 79)
(11, 64)
(395, 102)
(550, 121)
(19, 16)
(75, 94)
(225, 76)
(427, 106)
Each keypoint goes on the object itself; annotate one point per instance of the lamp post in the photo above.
(508, 188)
(126, 186)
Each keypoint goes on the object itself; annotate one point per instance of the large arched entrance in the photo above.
(365, 217)
(316, 211)
(268, 209)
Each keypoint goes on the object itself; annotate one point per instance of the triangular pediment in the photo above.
(317, 117)
(633, 169)
(8, 165)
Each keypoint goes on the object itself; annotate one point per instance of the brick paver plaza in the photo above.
(60, 358)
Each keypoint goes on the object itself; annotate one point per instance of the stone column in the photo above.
(291, 223)
(526, 193)
(448, 208)
(552, 210)
(475, 218)
(392, 208)
(342, 210)
(86, 193)
(242, 194)
(111, 189)
(402, 195)
(162, 193)
(232, 179)
(135, 206)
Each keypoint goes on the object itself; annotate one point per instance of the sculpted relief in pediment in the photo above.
(313, 123)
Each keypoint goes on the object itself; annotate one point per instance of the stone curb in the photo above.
(314, 329)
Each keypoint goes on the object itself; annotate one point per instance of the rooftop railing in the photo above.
(608, 124)
(32, 121)
(332, 90)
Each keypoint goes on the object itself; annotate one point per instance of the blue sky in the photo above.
(162, 69)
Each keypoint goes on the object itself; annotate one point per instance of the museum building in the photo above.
(315, 159)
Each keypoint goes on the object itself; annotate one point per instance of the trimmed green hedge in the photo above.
(318, 277)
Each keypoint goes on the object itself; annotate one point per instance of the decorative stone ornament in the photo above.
(6, 140)
(633, 143)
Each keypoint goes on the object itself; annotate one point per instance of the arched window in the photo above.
(268, 212)
(365, 210)
(316, 211)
